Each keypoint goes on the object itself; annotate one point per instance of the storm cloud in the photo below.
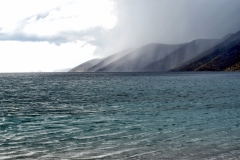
(162, 21)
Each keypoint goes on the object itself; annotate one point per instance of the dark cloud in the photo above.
(62, 37)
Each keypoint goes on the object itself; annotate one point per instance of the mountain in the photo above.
(235, 67)
(181, 55)
(109, 60)
(136, 60)
(224, 56)
(197, 55)
(85, 66)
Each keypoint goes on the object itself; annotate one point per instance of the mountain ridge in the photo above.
(84, 66)
(181, 55)
(137, 59)
(109, 60)
(197, 55)
(217, 58)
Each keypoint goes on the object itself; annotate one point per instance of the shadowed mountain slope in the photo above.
(136, 60)
(198, 55)
(181, 55)
(109, 60)
(85, 66)
(224, 56)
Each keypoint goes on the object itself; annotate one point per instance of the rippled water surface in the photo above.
(120, 116)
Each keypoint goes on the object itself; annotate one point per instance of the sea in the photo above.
(176, 115)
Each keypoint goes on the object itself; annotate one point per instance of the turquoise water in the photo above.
(120, 116)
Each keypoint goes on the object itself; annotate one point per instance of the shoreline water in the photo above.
(120, 116)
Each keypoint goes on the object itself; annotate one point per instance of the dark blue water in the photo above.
(120, 116)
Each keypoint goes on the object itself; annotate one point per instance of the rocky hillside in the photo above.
(108, 60)
(198, 55)
(136, 60)
(85, 66)
(224, 56)
(181, 55)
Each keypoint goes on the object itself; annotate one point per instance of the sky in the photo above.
(47, 35)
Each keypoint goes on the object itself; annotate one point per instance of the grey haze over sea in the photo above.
(120, 116)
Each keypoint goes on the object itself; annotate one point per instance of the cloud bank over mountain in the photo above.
(198, 55)
(109, 26)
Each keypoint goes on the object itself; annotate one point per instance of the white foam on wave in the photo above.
(106, 154)
(141, 154)
(101, 135)
(13, 155)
